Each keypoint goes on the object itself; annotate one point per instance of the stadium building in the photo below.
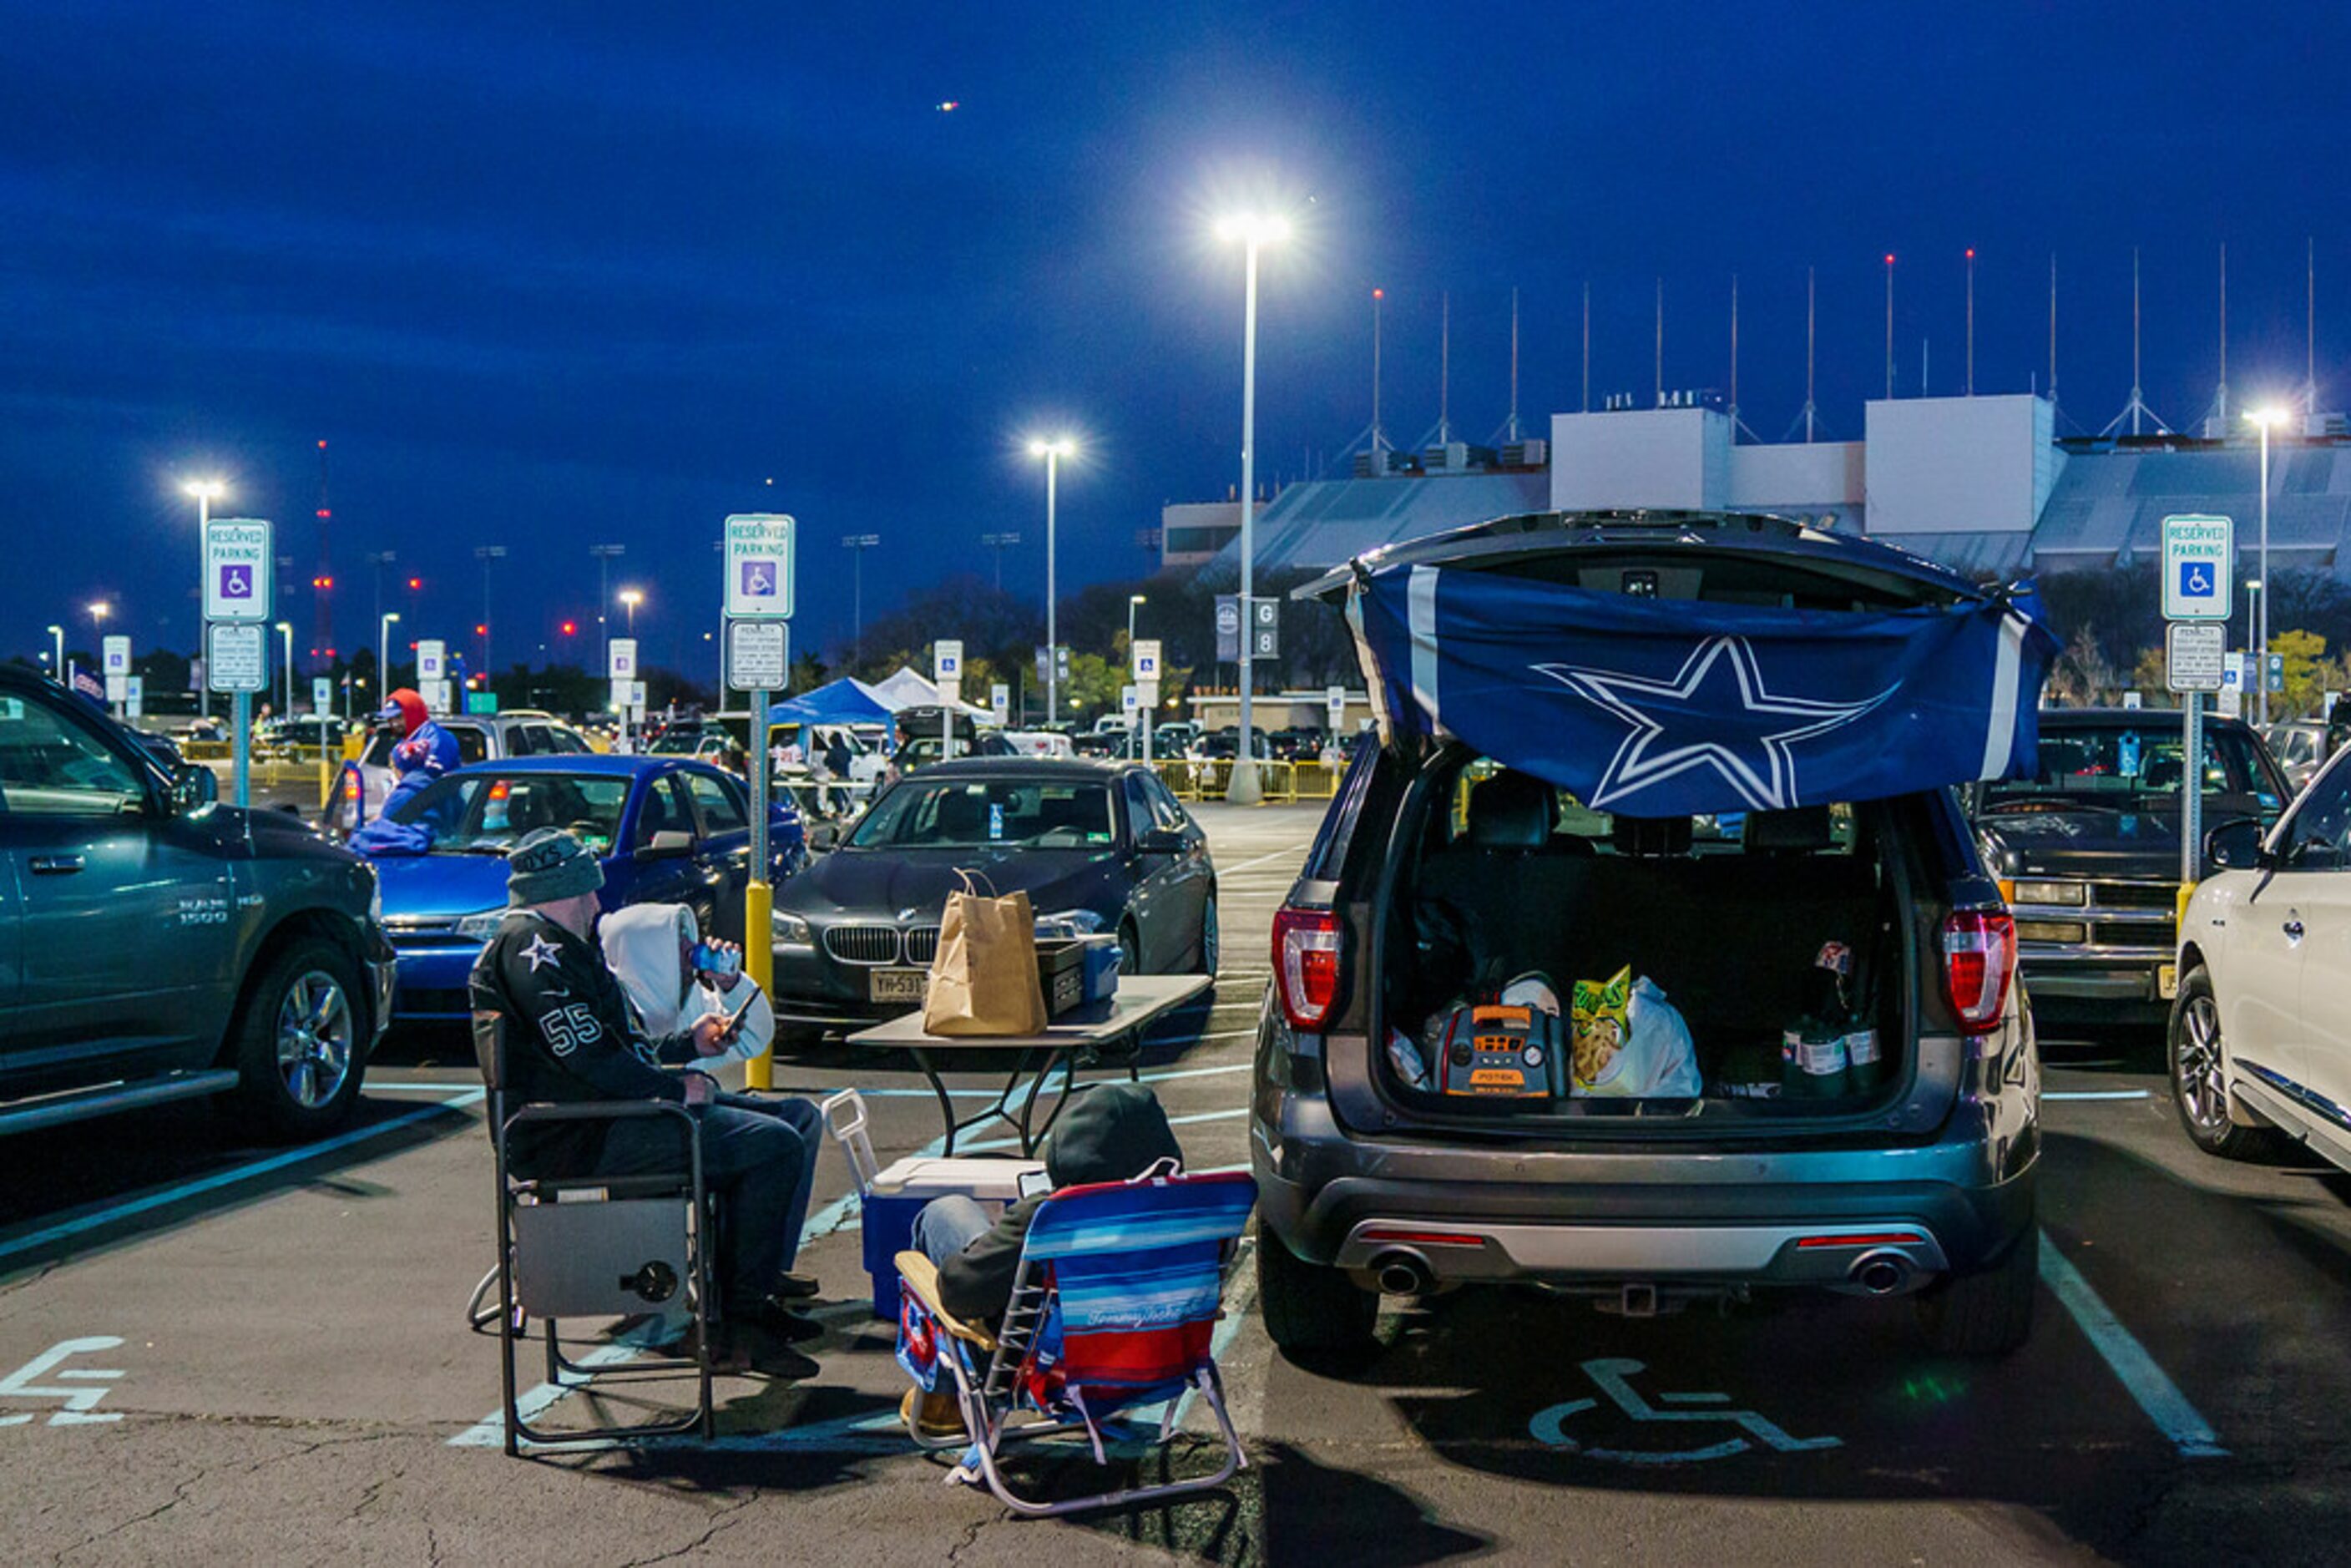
(1981, 484)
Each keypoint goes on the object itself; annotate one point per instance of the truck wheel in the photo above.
(1314, 1313)
(299, 1047)
(2200, 1090)
(1988, 1314)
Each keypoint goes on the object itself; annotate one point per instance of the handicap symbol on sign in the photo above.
(1613, 1374)
(78, 1403)
(2196, 579)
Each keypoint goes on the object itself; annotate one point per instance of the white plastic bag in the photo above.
(1656, 1060)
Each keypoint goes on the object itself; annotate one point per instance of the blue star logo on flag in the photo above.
(1715, 713)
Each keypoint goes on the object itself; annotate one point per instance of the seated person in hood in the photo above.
(1111, 1132)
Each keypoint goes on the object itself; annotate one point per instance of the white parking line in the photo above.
(2128, 1359)
(1299, 848)
(163, 1198)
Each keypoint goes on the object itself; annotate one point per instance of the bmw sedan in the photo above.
(1098, 848)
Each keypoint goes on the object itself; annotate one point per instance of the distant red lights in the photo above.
(570, 628)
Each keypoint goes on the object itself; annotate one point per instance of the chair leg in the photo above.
(1211, 1388)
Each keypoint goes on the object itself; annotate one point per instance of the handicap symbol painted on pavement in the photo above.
(78, 1403)
(1614, 1374)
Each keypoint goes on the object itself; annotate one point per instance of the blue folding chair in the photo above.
(1114, 1306)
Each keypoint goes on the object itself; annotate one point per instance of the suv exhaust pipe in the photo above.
(1881, 1273)
(1403, 1274)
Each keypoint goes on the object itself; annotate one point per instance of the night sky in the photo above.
(552, 276)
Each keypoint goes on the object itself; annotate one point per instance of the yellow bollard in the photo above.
(759, 962)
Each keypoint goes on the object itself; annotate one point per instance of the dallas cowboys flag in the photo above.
(1658, 708)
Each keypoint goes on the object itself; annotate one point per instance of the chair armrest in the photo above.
(921, 1277)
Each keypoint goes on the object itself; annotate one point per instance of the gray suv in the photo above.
(1439, 872)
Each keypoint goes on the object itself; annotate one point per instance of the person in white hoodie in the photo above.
(650, 948)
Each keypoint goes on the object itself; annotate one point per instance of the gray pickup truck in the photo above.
(156, 945)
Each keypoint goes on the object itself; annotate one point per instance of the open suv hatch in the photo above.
(1439, 874)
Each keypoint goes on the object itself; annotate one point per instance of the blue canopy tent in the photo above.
(844, 701)
(1654, 708)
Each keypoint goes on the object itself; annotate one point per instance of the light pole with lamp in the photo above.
(605, 554)
(1053, 452)
(206, 491)
(285, 629)
(629, 599)
(2264, 418)
(1253, 231)
(59, 634)
(486, 554)
(384, 625)
(999, 543)
(857, 545)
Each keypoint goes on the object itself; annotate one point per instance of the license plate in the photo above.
(2166, 980)
(897, 985)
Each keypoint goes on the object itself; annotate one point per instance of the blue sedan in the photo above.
(668, 831)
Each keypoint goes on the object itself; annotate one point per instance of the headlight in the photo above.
(2069, 892)
(480, 928)
(2066, 932)
(1069, 923)
(789, 930)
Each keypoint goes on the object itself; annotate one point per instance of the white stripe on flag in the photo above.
(1999, 733)
(1374, 688)
(1421, 597)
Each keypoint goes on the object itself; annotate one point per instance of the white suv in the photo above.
(2261, 1035)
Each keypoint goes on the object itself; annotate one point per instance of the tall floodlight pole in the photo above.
(2264, 418)
(285, 629)
(857, 545)
(605, 554)
(1254, 232)
(485, 554)
(1890, 326)
(206, 491)
(629, 599)
(382, 656)
(1053, 452)
(999, 543)
(58, 633)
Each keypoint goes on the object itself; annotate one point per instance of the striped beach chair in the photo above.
(1114, 1306)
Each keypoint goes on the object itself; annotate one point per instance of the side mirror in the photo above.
(668, 844)
(1159, 841)
(2235, 846)
(193, 788)
(823, 836)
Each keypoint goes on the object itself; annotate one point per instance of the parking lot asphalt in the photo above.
(264, 1358)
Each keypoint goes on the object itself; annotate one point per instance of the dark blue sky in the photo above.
(551, 275)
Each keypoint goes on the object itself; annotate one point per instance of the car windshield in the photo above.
(486, 813)
(2130, 767)
(971, 813)
(677, 743)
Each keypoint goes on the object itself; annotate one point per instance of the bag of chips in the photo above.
(1629, 1042)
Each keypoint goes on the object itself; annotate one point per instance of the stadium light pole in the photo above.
(605, 554)
(1053, 452)
(285, 628)
(206, 491)
(487, 554)
(58, 633)
(629, 599)
(382, 652)
(2264, 418)
(1253, 231)
(999, 543)
(857, 545)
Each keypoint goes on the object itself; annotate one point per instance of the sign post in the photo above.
(114, 661)
(1146, 688)
(1000, 703)
(758, 554)
(946, 674)
(238, 570)
(2198, 571)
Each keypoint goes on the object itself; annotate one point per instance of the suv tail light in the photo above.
(1979, 961)
(1306, 964)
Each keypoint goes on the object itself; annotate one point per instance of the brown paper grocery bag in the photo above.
(983, 976)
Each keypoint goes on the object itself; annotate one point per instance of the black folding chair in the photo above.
(595, 1245)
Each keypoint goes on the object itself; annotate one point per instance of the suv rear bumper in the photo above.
(1692, 1218)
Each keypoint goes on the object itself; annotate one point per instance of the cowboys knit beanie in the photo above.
(549, 864)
